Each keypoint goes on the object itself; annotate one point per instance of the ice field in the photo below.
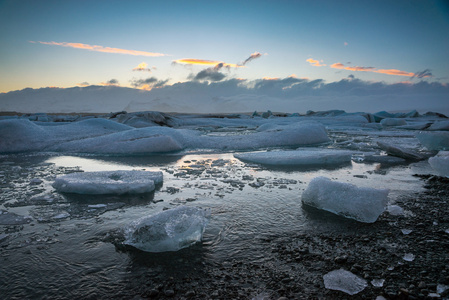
(93, 202)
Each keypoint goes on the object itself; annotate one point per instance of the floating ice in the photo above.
(399, 152)
(393, 122)
(345, 281)
(383, 159)
(344, 199)
(438, 140)
(298, 157)
(440, 163)
(169, 230)
(108, 182)
(9, 218)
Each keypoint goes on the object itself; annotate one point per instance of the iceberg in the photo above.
(345, 281)
(344, 199)
(438, 140)
(169, 230)
(108, 182)
(440, 163)
(297, 157)
(393, 122)
(400, 152)
(441, 125)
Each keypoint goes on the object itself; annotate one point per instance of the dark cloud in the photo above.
(149, 82)
(251, 57)
(423, 74)
(212, 74)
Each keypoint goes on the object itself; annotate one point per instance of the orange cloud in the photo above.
(372, 69)
(270, 78)
(102, 49)
(142, 67)
(356, 68)
(395, 72)
(314, 62)
(203, 62)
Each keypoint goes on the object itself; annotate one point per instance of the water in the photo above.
(71, 248)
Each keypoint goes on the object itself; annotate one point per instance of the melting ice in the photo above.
(170, 230)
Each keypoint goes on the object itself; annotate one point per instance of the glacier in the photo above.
(108, 182)
(169, 230)
(344, 199)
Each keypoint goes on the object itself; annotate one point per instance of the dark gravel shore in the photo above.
(408, 253)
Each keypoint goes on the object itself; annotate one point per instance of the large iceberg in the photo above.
(440, 163)
(108, 182)
(438, 140)
(169, 230)
(345, 281)
(347, 200)
(298, 157)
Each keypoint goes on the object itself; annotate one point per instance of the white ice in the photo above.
(398, 151)
(108, 182)
(440, 163)
(345, 281)
(298, 157)
(169, 230)
(344, 199)
(438, 140)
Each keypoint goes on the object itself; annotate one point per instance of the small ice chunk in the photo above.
(108, 182)
(406, 231)
(409, 257)
(298, 157)
(440, 163)
(97, 206)
(438, 140)
(169, 230)
(344, 199)
(378, 282)
(393, 122)
(35, 181)
(441, 288)
(345, 281)
(395, 210)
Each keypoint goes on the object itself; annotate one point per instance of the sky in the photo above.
(169, 45)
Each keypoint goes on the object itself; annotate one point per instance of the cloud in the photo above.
(314, 62)
(423, 74)
(97, 48)
(147, 84)
(251, 57)
(395, 72)
(112, 82)
(85, 83)
(142, 67)
(211, 74)
(341, 66)
(204, 62)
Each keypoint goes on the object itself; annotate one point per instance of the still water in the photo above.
(70, 246)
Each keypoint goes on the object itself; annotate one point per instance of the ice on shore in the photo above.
(345, 281)
(440, 163)
(438, 140)
(108, 182)
(347, 200)
(298, 157)
(169, 230)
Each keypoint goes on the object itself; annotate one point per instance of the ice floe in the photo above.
(108, 182)
(347, 200)
(400, 152)
(345, 281)
(440, 163)
(169, 230)
(393, 122)
(9, 218)
(298, 157)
